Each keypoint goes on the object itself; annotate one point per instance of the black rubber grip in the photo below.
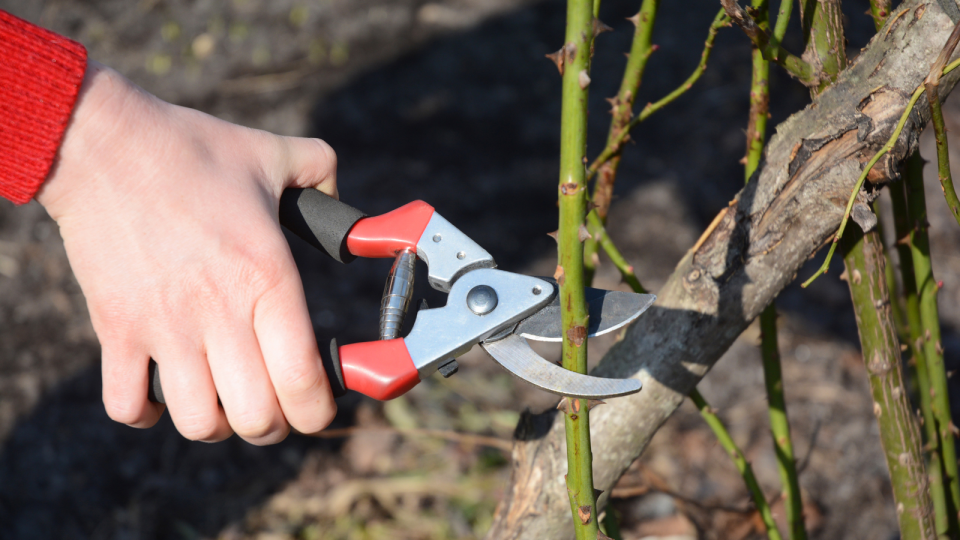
(331, 364)
(319, 219)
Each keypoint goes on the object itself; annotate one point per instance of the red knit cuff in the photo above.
(40, 77)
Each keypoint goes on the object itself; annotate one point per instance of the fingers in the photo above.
(125, 380)
(190, 394)
(289, 348)
(244, 384)
(310, 163)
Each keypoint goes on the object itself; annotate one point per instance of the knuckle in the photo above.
(198, 427)
(330, 153)
(255, 425)
(122, 409)
(299, 380)
(319, 418)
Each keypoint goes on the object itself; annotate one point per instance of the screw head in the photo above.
(482, 299)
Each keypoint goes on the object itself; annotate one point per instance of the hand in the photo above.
(169, 218)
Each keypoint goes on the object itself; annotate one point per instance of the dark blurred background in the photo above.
(453, 102)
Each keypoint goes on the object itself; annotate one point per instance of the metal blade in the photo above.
(516, 356)
(609, 310)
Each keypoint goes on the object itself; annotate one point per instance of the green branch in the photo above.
(614, 147)
(879, 10)
(899, 434)
(901, 222)
(622, 111)
(575, 55)
(769, 45)
(931, 87)
(927, 290)
(726, 441)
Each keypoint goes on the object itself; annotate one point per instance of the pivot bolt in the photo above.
(482, 299)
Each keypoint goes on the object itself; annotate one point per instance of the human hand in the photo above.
(169, 218)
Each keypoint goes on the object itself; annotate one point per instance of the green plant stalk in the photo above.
(578, 44)
(879, 10)
(896, 309)
(759, 93)
(779, 424)
(901, 222)
(823, 40)
(899, 434)
(932, 349)
(621, 111)
(783, 19)
(943, 153)
(599, 233)
(614, 147)
(726, 441)
(611, 523)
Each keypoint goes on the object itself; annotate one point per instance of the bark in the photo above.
(769, 230)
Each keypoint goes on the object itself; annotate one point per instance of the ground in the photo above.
(450, 101)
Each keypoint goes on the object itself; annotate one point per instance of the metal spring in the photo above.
(397, 294)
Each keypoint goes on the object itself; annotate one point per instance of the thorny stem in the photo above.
(616, 145)
(759, 94)
(899, 433)
(726, 441)
(770, 45)
(572, 193)
(866, 170)
(927, 290)
(901, 222)
(932, 85)
(622, 111)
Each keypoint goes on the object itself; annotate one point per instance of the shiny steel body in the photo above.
(449, 253)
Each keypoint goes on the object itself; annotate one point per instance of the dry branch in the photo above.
(773, 226)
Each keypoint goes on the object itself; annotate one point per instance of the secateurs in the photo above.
(498, 310)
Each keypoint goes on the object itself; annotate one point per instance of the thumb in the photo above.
(310, 163)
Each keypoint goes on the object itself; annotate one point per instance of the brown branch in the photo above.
(793, 205)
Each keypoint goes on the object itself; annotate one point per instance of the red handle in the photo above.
(380, 369)
(385, 235)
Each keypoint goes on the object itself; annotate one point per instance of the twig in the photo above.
(770, 45)
(621, 111)
(932, 86)
(453, 436)
(599, 233)
(899, 432)
(927, 290)
(572, 192)
(866, 170)
(726, 441)
(901, 220)
(824, 41)
(615, 146)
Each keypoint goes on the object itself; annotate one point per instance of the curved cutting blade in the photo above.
(516, 356)
(609, 310)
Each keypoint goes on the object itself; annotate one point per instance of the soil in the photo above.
(450, 101)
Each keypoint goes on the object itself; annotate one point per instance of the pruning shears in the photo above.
(497, 309)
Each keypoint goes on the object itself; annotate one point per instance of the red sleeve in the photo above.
(40, 76)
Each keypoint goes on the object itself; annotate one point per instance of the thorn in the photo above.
(591, 403)
(564, 405)
(557, 59)
(555, 235)
(597, 493)
(843, 276)
(583, 79)
(939, 348)
(903, 347)
(635, 19)
(599, 27)
(857, 278)
(601, 536)
(591, 205)
(954, 430)
(585, 513)
(595, 258)
(950, 373)
(559, 275)
(583, 233)
(577, 335)
(926, 334)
